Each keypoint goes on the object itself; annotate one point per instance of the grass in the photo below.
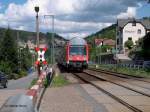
(33, 82)
(59, 81)
(134, 72)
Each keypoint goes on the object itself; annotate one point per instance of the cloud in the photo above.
(130, 13)
(72, 17)
(98, 10)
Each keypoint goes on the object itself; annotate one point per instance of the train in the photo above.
(75, 55)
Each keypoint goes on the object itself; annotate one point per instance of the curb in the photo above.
(39, 99)
(36, 89)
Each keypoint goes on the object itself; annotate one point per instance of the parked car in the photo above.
(3, 80)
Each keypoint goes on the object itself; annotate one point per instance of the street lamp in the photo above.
(52, 51)
(36, 8)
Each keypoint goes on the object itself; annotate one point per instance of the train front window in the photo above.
(77, 50)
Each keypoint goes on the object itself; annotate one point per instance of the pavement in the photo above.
(79, 98)
(5, 94)
(15, 87)
(22, 83)
(65, 99)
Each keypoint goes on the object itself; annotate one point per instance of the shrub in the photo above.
(22, 73)
(129, 44)
(4, 67)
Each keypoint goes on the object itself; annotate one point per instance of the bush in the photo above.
(14, 76)
(4, 67)
(22, 73)
(129, 44)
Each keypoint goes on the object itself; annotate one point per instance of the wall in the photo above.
(132, 31)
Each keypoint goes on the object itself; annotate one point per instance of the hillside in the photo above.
(109, 33)
(24, 36)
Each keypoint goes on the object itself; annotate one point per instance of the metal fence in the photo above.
(131, 65)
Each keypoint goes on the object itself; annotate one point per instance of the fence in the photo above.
(132, 65)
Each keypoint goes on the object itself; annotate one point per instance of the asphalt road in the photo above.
(22, 83)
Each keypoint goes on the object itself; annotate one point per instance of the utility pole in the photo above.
(36, 8)
(116, 44)
(20, 52)
(37, 25)
(18, 49)
(53, 34)
(100, 53)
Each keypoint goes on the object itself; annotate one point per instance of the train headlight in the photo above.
(70, 58)
(84, 58)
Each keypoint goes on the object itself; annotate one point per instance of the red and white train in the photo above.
(75, 55)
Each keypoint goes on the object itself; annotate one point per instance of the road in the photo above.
(22, 83)
(15, 87)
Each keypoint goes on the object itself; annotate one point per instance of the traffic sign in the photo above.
(41, 57)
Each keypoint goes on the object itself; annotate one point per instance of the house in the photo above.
(30, 45)
(105, 41)
(109, 42)
(132, 29)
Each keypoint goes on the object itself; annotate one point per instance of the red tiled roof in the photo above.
(105, 42)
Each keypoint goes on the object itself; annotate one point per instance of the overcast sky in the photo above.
(72, 17)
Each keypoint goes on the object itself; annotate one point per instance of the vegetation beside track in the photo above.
(59, 81)
(33, 82)
(133, 72)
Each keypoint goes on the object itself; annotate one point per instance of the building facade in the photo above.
(130, 29)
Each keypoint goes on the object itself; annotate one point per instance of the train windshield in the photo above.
(77, 50)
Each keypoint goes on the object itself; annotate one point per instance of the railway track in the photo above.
(89, 78)
(127, 87)
(86, 80)
(121, 75)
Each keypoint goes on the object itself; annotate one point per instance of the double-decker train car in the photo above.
(75, 55)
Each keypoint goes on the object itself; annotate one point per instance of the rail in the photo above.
(134, 109)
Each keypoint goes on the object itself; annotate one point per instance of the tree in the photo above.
(9, 54)
(129, 43)
(146, 46)
(26, 58)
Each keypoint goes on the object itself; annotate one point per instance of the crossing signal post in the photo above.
(41, 58)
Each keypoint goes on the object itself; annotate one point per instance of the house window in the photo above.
(139, 31)
(117, 41)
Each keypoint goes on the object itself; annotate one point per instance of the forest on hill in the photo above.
(108, 32)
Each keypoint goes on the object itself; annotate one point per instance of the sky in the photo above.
(72, 17)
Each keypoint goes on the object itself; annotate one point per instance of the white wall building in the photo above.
(131, 29)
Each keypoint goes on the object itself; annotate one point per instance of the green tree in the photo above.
(146, 46)
(26, 58)
(9, 54)
(129, 43)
